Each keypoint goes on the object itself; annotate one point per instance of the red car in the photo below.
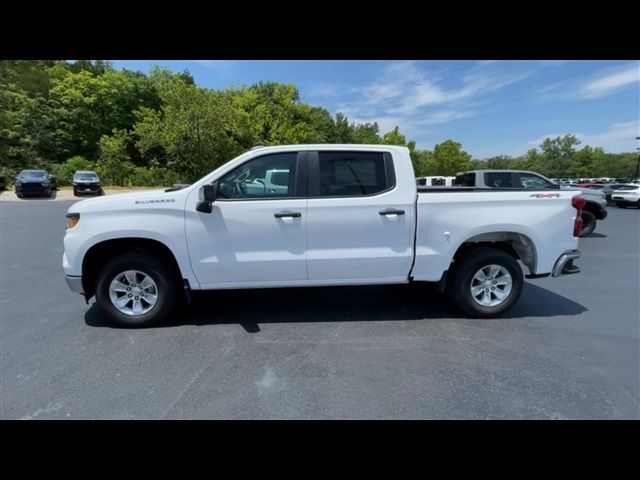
(596, 186)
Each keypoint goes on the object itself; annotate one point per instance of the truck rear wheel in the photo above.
(588, 223)
(485, 282)
(135, 290)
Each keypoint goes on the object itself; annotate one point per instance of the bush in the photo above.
(64, 172)
(154, 176)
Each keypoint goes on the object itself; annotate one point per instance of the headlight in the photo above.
(72, 219)
(75, 184)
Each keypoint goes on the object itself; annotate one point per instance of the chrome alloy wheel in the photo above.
(133, 292)
(491, 285)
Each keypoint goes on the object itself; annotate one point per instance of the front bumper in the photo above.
(75, 284)
(564, 265)
(32, 189)
(87, 187)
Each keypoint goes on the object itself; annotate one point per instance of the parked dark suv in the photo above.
(35, 183)
(86, 182)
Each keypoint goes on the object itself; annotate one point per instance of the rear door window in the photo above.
(465, 180)
(529, 180)
(499, 180)
(352, 174)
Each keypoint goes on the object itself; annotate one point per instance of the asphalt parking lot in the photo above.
(568, 350)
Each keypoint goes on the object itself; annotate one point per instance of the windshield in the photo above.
(83, 177)
(32, 174)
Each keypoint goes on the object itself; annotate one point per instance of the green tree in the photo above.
(113, 165)
(394, 137)
(449, 158)
(365, 133)
(558, 155)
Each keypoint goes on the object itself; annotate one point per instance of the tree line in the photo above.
(161, 128)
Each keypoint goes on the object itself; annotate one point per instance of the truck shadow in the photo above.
(249, 308)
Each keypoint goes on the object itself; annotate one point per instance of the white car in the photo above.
(626, 195)
(340, 215)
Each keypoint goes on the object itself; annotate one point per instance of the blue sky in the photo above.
(491, 107)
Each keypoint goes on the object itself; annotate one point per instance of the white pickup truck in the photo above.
(345, 215)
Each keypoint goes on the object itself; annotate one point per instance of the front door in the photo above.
(256, 233)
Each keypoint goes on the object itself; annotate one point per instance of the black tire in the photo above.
(466, 266)
(149, 265)
(75, 193)
(621, 205)
(588, 223)
(19, 195)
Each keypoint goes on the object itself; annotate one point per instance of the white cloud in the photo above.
(405, 94)
(610, 82)
(604, 83)
(445, 116)
(619, 137)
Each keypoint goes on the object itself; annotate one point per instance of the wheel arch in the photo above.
(100, 253)
(518, 245)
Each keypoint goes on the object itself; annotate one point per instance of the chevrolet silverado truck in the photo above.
(341, 215)
(595, 207)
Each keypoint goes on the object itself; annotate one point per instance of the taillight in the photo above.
(577, 202)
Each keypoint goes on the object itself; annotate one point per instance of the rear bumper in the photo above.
(600, 211)
(564, 265)
(75, 284)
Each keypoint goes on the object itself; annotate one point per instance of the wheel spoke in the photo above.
(500, 295)
(150, 298)
(147, 282)
(122, 301)
(130, 276)
(480, 276)
(486, 298)
(493, 271)
(475, 291)
(117, 286)
(137, 307)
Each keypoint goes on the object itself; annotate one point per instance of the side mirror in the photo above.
(208, 193)
(207, 197)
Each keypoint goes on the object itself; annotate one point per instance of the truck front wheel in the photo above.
(135, 290)
(485, 282)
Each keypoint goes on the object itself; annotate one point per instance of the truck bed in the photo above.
(538, 222)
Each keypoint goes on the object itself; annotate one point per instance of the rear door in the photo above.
(360, 222)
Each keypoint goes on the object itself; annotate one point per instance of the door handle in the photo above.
(391, 211)
(287, 214)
